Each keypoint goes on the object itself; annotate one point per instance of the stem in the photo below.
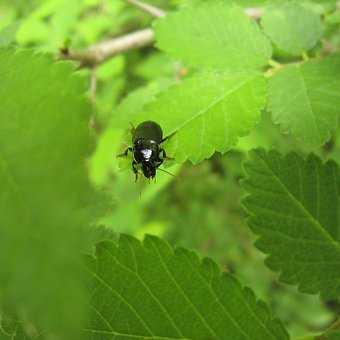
(335, 326)
(98, 53)
(305, 56)
(93, 86)
(254, 13)
(274, 63)
(154, 11)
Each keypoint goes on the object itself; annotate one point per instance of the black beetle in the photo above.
(147, 138)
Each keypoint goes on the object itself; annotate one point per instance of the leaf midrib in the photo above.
(215, 101)
(115, 333)
(141, 280)
(115, 292)
(233, 320)
(180, 289)
(309, 216)
(308, 101)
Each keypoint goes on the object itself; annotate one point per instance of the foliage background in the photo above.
(199, 208)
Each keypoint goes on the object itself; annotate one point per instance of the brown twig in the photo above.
(154, 11)
(93, 86)
(254, 13)
(100, 52)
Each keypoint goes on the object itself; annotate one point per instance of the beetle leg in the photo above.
(159, 162)
(125, 153)
(135, 170)
(163, 155)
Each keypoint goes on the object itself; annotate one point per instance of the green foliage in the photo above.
(149, 290)
(44, 189)
(330, 335)
(213, 35)
(305, 99)
(293, 206)
(293, 28)
(62, 14)
(208, 88)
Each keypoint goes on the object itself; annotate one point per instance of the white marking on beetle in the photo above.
(146, 154)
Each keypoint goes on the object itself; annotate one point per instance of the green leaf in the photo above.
(104, 162)
(333, 19)
(12, 329)
(293, 207)
(7, 35)
(148, 290)
(305, 99)
(292, 27)
(207, 112)
(45, 195)
(330, 335)
(50, 24)
(213, 35)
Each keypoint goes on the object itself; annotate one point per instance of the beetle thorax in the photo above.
(145, 151)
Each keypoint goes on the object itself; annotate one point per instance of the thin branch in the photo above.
(254, 13)
(93, 86)
(154, 11)
(333, 327)
(100, 52)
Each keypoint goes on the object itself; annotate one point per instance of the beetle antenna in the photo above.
(133, 129)
(167, 172)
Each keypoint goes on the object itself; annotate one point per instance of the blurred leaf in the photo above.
(330, 335)
(104, 163)
(213, 35)
(92, 28)
(45, 196)
(94, 235)
(111, 68)
(243, 3)
(292, 28)
(131, 200)
(135, 101)
(293, 207)
(32, 31)
(110, 83)
(305, 99)
(7, 35)
(104, 18)
(12, 329)
(51, 23)
(334, 18)
(156, 66)
(7, 15)
(150, 290)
